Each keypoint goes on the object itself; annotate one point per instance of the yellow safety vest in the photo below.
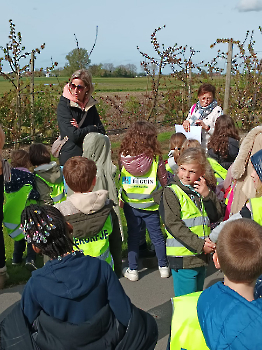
(137, 191)
(15, 203)
(220, 172)
(98, 245)
(58, 193)
(256, 209)
(186, 333)
(197, 221)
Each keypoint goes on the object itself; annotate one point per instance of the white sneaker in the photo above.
(132, 275)
(164, 271)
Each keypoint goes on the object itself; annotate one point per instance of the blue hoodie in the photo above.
(74, 289)
(228, 320)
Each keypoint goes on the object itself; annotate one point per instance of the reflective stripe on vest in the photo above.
(197, 221)
(186, 332)
(137, 191)
(220, 172)
(256, 209)
(98, 245)
(15, 202)
(58, 193)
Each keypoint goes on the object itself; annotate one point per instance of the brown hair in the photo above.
(190, 144)
(239, 250)
(39, 154)
(86, 77)
(176, 141)
(20, 159)
(204, 88)
(197, 155)
(224, 128)
(79, 173)
(141, 137)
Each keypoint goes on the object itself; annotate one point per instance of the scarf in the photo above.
(202, 112)
(67, 94)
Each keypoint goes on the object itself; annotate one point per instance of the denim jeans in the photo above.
(135, 219)
(19, 248)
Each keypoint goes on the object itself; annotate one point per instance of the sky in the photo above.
(124, 25)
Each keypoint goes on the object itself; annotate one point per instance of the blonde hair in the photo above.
(197, 155)
(86, 77)
(176, 142)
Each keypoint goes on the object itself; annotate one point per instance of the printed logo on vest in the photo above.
(129, 180)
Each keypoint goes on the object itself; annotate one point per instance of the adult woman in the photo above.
(76, 103)
(204, 113)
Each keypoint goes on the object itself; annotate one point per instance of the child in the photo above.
(21, 179)
(229, 316)
(187, 207)
(223, 145)
(95, 224)
(142, 172)
(176, 142)
(48, 175)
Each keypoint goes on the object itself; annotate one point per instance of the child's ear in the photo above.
(37, 250)
(216, 261)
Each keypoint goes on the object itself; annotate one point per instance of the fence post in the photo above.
(32, 68)
(228, 76)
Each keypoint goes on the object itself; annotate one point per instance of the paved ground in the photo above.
(151, 293)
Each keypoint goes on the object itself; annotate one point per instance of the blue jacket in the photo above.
(229, 321)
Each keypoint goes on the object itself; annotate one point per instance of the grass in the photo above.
(19, 274)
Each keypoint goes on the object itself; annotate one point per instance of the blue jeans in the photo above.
(188, 280)
(135, 219)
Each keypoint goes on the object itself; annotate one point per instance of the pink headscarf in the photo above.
(67, 94)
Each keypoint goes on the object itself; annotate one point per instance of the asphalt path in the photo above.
(151, 293)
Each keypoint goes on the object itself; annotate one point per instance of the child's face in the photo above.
(256, 179)
(189, 173)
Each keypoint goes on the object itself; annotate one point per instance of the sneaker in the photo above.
(30, 265)
(16, 263)
(132, 275)
(164, 271)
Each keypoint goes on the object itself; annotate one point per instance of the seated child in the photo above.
(95, 224)
(229, 316)
(187, 207)
(48, 175)
(176, 142)
(21, 178)
(74, 301)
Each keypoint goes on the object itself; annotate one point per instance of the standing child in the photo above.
(176, 142)
(187, 207)
(48, 175)
(142, 173)
(21, 189)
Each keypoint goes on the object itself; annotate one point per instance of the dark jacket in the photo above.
(233, 148)
(19, 178)
(170, 211)
(66, 113)
(74, 290)
(102, 332)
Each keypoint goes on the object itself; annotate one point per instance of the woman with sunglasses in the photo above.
(75, 104)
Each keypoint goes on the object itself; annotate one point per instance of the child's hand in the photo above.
(209, 246)
(201, 187)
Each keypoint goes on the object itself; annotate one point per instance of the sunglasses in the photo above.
(78, 87)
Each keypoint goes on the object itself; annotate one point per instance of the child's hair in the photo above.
(39, 154)
(224, 128)
(176, 141)
(239, 250)
(141, 137)
(20, 159)
(45, 227)
(204, 88)
(197, 155)
(79, 173)
(192, 143)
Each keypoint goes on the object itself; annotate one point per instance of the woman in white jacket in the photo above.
(204, 113)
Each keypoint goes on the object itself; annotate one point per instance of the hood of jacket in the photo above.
(136, 165)
(228, 320)
(89, 202)
(239, 165)
(50, 172)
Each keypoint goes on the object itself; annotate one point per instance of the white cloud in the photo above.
(249, 5)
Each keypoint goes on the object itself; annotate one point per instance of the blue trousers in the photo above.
(135, 219)
(188, 280)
